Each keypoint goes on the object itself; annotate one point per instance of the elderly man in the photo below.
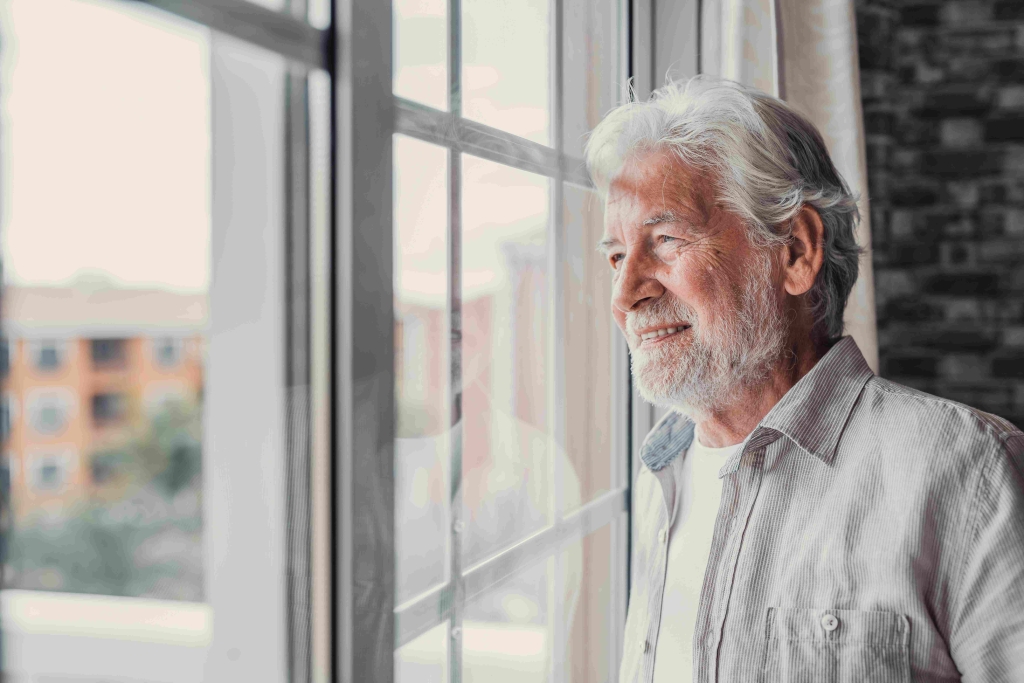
(797, 517)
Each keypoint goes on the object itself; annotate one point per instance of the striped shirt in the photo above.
(867, 532)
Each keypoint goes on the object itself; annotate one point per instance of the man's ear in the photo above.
(805, 252)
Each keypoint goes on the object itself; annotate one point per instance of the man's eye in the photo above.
(615, 259)
(665, 239)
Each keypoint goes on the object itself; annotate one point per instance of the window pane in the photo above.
(587, 570)
(588, 334)
(507, 450)
(508, 629)
(421, 366)
(506, 70)
(592, 78)
(421, 51)
(143, 201)
(425, 659)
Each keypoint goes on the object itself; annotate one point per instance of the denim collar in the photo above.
(812, 413)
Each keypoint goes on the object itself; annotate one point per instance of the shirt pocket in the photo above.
(836, 646)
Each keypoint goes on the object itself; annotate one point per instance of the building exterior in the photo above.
(84, 367)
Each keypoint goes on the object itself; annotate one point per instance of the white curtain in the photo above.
(804, 51)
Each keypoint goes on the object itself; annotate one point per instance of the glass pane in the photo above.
(507, 451)
(425, 659)
(592, 79)
(588, 334)
(277, 5)
(319, 14)
(506, 70)
(143, 205)
(421, 51)
(421, 365)
(587, 572)
(508, 629)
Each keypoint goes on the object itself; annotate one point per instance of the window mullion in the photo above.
(556, 345)
(456, 530)
(276, 31)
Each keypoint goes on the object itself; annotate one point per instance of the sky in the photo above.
(104, 145)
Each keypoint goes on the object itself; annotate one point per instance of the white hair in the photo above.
(766, 161)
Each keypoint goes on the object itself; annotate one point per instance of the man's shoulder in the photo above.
(927, 424)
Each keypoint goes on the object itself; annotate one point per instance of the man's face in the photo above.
(699, 304)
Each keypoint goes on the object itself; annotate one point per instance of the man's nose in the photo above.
(635, 284)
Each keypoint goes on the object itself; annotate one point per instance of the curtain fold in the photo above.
(804, 51)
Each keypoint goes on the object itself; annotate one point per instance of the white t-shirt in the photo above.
(689, 547)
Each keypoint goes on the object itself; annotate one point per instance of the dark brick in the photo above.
(914, 195)
(910, 366)
(1005, 129)
(955, 99)
(912, 310)
(959, 284)
(920, 15)
(962, 163)
(913, 254)
(956, 339)
(1008, 70)
(1008, 366)
(1009, 10)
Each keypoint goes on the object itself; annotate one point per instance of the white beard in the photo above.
(700, 370)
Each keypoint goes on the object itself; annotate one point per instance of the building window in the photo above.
(50, 471)
(8, 409)
(50, 410)
(167, 351)
(104, 466)
(5, 356)
(108, 408)
(47, 354)
(109, 353)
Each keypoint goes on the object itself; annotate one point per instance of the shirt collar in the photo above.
(812, 413)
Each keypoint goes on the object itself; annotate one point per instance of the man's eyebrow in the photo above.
(664, 217)
(607, 244)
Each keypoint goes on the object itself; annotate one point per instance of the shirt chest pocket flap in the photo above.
(836, 646)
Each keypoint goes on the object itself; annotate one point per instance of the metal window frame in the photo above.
(358, 323)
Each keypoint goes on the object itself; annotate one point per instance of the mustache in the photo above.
(661, 312)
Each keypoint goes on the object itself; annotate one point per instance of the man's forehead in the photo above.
(654, 188)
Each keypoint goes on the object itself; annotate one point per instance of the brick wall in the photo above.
(943, 92)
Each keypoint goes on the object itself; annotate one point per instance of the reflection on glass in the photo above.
(587, 349)
(507, 449)
(506, 65)
(592, 77)
(507, 630)
(106, 231)
(421, 48)
(276, 5)
(421, 365)
(425, 659)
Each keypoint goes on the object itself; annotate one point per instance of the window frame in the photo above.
(340, 365)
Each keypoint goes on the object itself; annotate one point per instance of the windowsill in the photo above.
(169, 622)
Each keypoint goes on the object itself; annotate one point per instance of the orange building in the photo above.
(83, 367)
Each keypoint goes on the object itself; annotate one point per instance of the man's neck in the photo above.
(731, 423)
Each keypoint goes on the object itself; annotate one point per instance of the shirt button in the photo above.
(829, 622)
(662, 535)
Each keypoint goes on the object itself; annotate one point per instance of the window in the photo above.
(47, 354)
(5, 356)
(50, 471)
(117, 121)
(108, 409)
(510, 451)
(167, 351)
(399, 426)
(108, 353)
(49, 410)
(8, 413)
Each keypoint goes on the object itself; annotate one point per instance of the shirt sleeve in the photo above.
(987, 601)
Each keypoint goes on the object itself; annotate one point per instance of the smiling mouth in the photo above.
(661, 333)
